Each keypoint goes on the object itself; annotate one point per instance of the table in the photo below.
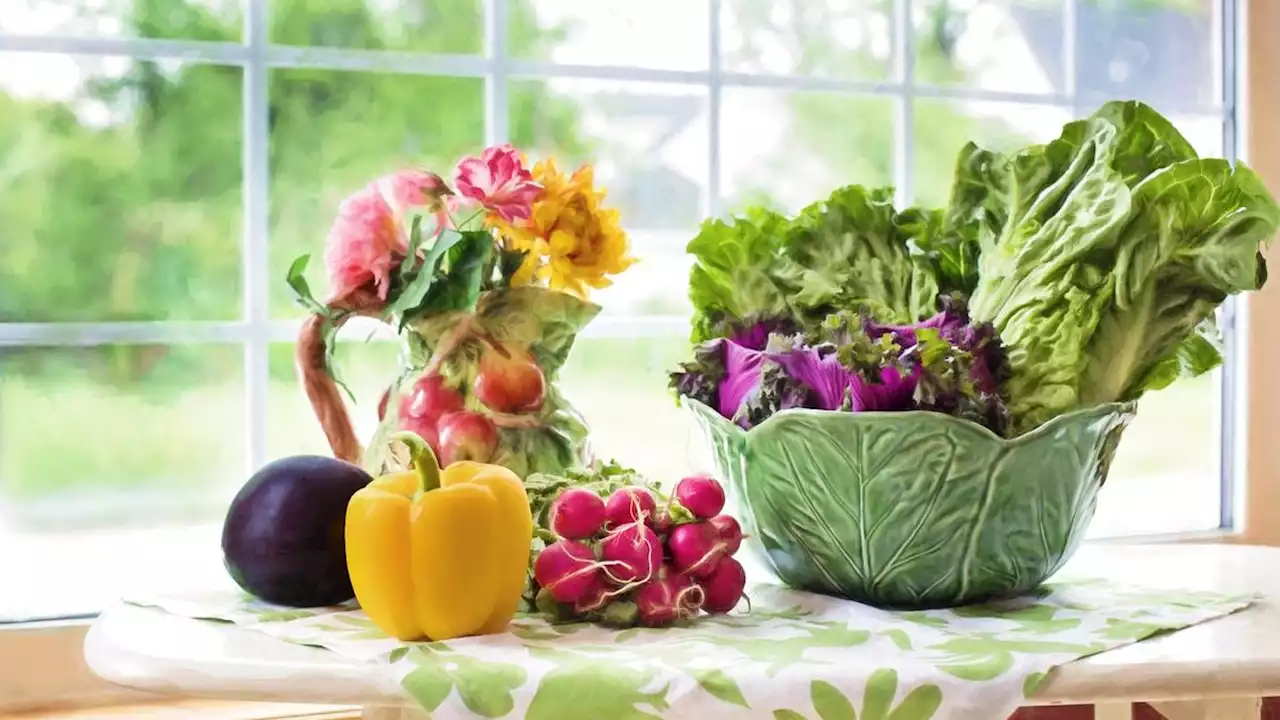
(1218, 670)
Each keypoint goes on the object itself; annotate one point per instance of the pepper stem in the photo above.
(423, 458)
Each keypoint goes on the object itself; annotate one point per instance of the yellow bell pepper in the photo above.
(434, 554)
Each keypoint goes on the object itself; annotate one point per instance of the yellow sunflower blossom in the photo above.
(572, 241)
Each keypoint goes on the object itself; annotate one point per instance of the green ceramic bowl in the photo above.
(913, 510)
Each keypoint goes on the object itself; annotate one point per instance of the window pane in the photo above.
(334, 131)
(840, 38)
(666, 34)
(648, 143)
(652, 434)
(816, 141)
(367, 368)
(1166, 474)
(1162, 52)
(121, 189)
(438, 26)
(113, 461)
(943, 127)
(999, 45)
(174, 19)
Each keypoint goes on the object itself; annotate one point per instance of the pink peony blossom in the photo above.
(499, 181)
(370, 235)
(411, 189)
(364, 244)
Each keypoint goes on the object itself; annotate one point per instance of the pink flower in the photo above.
(370, 235)
(411, 189)
(364, 244)
(499, 181)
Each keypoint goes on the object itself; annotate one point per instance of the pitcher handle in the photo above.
(320, 387)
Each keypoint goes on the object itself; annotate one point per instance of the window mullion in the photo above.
(256, 256)
(904, 122)
(497, 102)
(715, 89)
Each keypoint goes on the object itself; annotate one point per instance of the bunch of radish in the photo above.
(624, 559)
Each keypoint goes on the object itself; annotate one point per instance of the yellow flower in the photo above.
(572, 241)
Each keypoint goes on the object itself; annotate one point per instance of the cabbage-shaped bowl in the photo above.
(912, 510)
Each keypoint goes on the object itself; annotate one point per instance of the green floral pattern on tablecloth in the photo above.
(794, 656)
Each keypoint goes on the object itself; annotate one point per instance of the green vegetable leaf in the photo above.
(1103, 253)
(852, 251)
(720, 685)
(736, 270)
(830, 703)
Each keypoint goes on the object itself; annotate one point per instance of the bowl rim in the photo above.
(1124, 410)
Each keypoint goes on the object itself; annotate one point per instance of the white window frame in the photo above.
(53, 649)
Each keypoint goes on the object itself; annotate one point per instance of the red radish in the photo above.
(596, 597)
(667, 597)
(661, 522)
(689, 595)
(729, 530)
(509, 382)
(631, 554)
(467, 435)
(696, 548)
(722, 590)
(431, 398)
(567, 569)
(629, 505)
(578, 513)
(700, 495)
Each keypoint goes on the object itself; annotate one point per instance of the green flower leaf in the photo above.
(879, 693)
(718, 684)
(297, 279)
(485, 687)
(616, 691)
(429, 685)
(830, 703)
(1127, 630)
(1031, 682)
(283, 615)
(787, 715)
(899, 638)
(398, 654)
(419, 278)
(921, 703)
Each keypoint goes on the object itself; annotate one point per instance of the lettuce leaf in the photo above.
(736, 271)
(850, 252)
(1103, 255)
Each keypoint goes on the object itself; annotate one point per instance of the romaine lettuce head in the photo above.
(1103, 256)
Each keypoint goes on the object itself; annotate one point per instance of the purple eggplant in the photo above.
(284, 540)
